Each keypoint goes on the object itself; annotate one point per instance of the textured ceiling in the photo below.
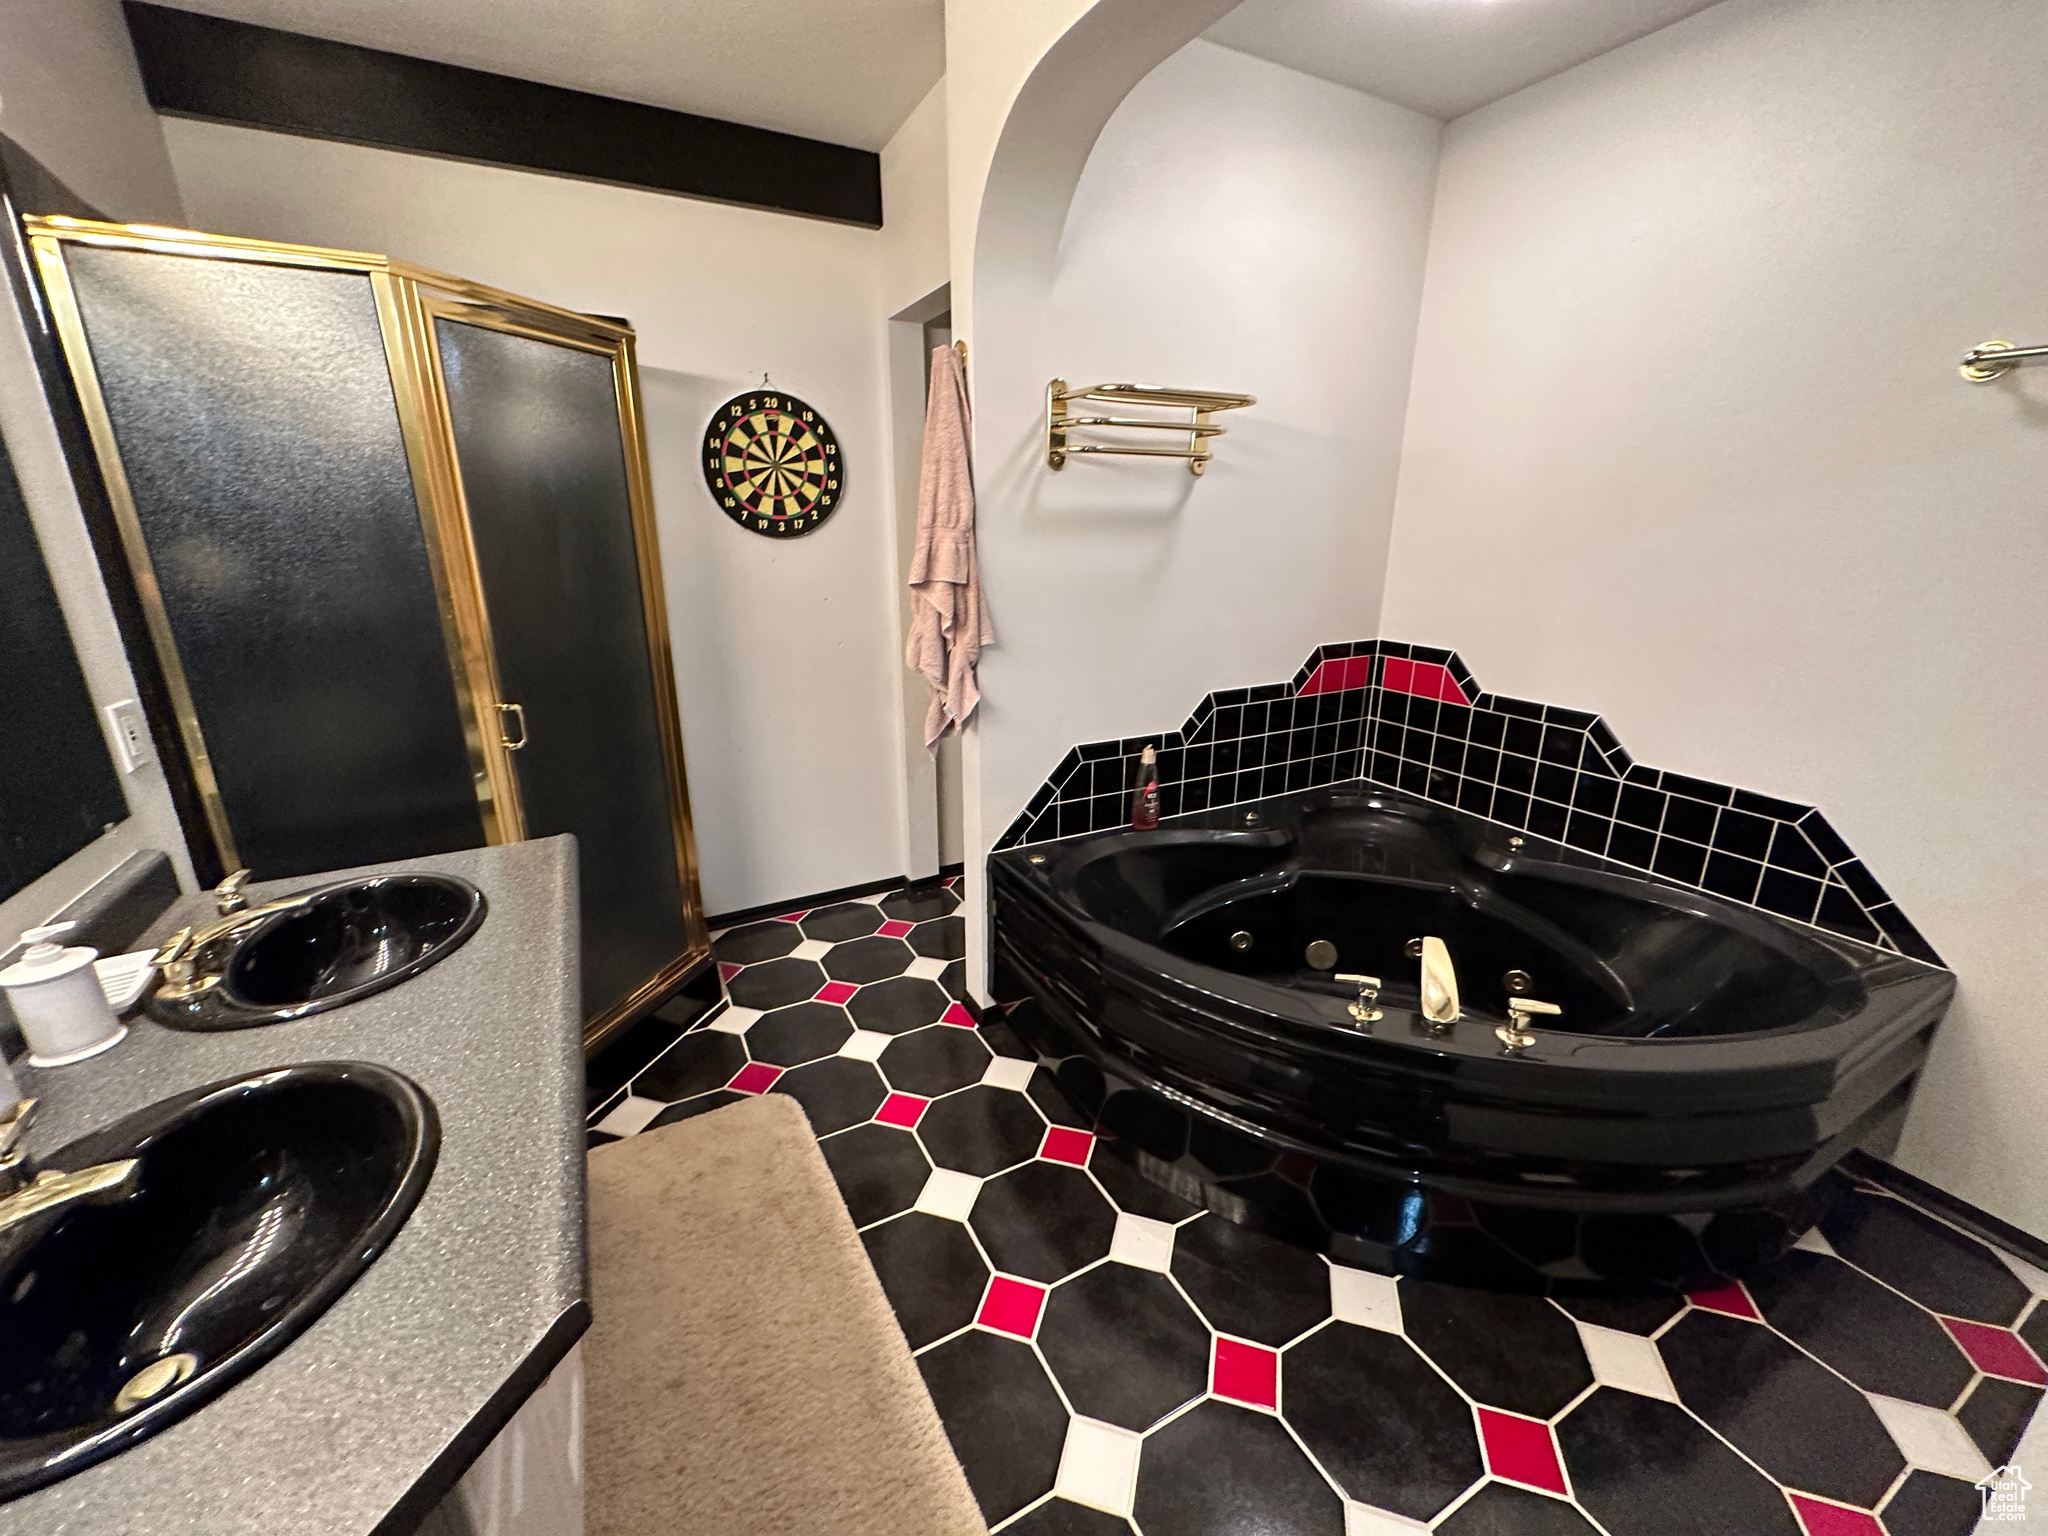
(1443, 57)
(846, 71)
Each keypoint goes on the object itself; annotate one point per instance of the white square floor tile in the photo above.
(866, 1044)
(2029, 1276)
(1812, 1242)
(1932, 1439)
(948, 1194)
(1009, 1072)
(1628, 1361)
(1142, 1242)
(1362, 1297)
(1099, 1466)
(1364, 1520)
(734, 1020)
(926, 967)
(810, 949)
(632, 1115)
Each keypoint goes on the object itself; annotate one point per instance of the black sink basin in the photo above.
(335, 946)
(258, 1202)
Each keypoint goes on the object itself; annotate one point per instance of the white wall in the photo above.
(1238, 226)
(1687, 446)
(784, 663)
(71, 96)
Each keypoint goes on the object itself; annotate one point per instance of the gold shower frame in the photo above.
(409, 298)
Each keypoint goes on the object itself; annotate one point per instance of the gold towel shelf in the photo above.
(1200, 403)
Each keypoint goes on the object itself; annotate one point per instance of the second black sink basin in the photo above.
(257, 1203)
(336, 945)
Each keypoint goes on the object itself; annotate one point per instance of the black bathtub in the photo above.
(1680, 1117)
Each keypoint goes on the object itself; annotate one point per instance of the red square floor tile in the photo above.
(957, 1014)
(1997, 1352)
(895, 928)
(904, 1109)
(1246, 1373)
(727, 970)
(1011, 1306)
(1064, 1144)
(754, 1077)
(1833, 1519)
(835, 991)
(1521, 1450)
(792, 917)
(1727, 1298)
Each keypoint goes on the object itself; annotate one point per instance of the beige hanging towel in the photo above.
(948, 624)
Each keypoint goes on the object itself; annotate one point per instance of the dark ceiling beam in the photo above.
(258, 77)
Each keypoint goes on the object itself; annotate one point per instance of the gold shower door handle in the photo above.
(518, 711)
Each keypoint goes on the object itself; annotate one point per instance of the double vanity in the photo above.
(363, 1247)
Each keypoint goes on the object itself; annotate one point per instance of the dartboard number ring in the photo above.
(773, 464)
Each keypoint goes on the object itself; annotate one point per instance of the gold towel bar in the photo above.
(1200, 403)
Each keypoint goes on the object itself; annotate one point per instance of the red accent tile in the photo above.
(895, 928)
(1245, 1373)
(1424, 679)
(754, 1077)
(1399, 674)
(1521, 1450)
(793, 917)
(1336, 676)
(957, 1014)
(1727, 1298)
(1011, 1306)
(904, 1109)
(1451, 1210)
(1064, 1144)
(1833, 1519)
(1997, 1352)
(835, 991)
(726, 971)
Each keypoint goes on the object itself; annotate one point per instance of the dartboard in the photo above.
(773, 464)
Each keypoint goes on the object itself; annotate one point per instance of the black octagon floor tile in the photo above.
(1221, 1470)
(899, 1004)
(1053, 1103)
(756, 941)
(1391, 1431)
(935, 1060)
(1641, 1465)
(1043, 1221)
(999, 1037)
(1124, 1345)
(918, 906)
(981, 1130)
(1056, 1517)
(1246, 1283)
(931, 1273)
(1500, 1509)
(592, 1140)
(689, 1109)
(1006, 1423)
(1795, 1419)
(847, 920)
(879, 1169)
(1872, 1335)
(1928, 1504)
(1934, 1264)
(835, 1093)
(873, 959)
(943, 938)
(1508, 1351)
(1995, 1414)
(697, 1063)
(954, 979)
(775, 983)
(1135, 1193)
(802, 1032)
(1625, 1314)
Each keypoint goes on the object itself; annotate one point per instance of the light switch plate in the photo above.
(131, 734)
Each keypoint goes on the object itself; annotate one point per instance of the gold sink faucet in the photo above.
(180, 956)
(26, 1194)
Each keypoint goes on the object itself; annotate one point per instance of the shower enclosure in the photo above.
(392, 536)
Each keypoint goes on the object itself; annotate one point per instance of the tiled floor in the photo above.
(1109, 1359)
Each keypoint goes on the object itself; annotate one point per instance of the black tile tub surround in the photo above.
(1413, 718)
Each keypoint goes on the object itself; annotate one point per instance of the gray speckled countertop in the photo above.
(373, 1406)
